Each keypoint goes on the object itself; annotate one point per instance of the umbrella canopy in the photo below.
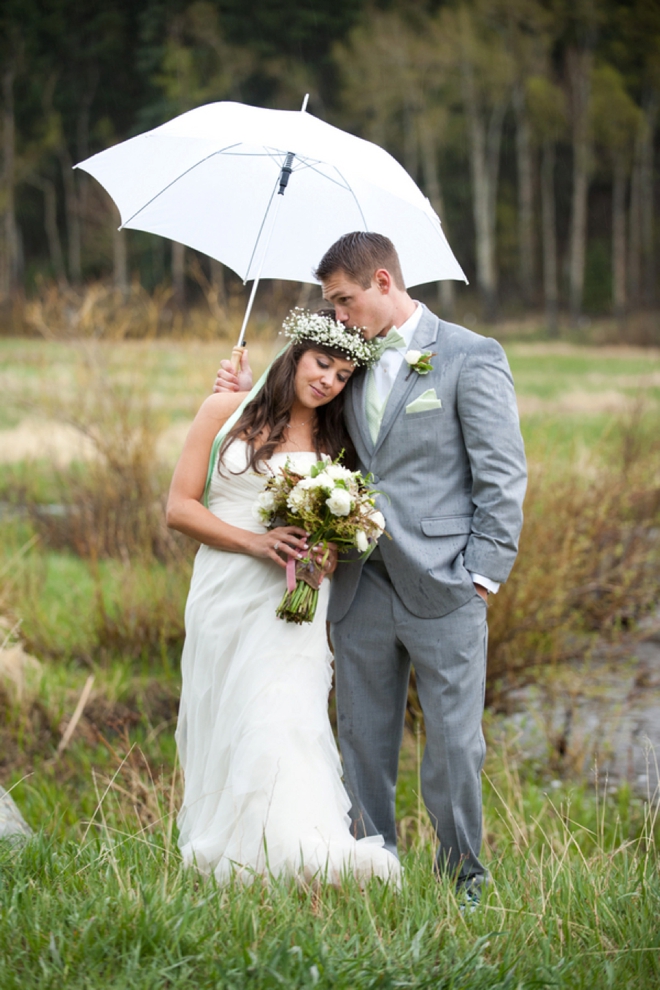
(266, 192)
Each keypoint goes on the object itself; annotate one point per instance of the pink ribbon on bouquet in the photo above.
(291, 574)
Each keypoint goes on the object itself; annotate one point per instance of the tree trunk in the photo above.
(72, 209)
(649, 274)
(83, 116)
(525, 197)
(579, 72)
(433, 187)
(635, 225)
(217, 272)
(10, 250)
(178, 274)
(619, 238)
(82, 150)
(484, 141)
(120, 261)
(549, 237)
(410, 150)
(47, 187)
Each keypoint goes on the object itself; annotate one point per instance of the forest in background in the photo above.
(532, 126)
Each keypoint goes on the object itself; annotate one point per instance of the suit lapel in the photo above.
(424, 337)
(358, 400)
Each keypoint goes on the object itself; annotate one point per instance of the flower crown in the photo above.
(300, 324)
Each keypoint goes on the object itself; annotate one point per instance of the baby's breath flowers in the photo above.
(332, 504)
(300, 324)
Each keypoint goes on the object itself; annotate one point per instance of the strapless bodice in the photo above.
(232, 496)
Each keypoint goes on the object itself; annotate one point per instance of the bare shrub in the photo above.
(109, 511)
(112, 503)
(143, 619)
(101, 311)
(589, 566)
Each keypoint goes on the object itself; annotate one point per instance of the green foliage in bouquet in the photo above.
(333, 505)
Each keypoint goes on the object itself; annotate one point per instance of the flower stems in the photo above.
(298, 605)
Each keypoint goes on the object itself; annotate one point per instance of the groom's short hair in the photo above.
(359, 255)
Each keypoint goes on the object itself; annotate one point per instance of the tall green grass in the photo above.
(573, 902)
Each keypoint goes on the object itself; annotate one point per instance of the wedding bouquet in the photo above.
(332, 504)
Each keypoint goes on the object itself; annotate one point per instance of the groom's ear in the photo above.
(383, 280)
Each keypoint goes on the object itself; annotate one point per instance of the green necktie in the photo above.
(374, 405)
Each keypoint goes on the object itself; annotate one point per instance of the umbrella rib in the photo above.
(357, 202)
(253, 154)
(261, 228)
(201, 161)
(324, 175)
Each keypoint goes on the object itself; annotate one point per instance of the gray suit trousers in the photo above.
(375, 644)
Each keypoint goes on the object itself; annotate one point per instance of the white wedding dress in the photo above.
(263, 791)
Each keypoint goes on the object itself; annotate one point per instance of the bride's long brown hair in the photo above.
(268, 413)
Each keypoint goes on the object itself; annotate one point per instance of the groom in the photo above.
(446, 452)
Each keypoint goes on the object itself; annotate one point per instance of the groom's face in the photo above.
(369, 309)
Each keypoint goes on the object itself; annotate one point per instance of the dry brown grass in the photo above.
(100, 311)
(589, 561)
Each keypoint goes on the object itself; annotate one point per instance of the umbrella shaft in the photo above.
(241, 336)
(287, 169)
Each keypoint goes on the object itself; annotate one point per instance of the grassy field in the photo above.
(92, 586)
(571, 390)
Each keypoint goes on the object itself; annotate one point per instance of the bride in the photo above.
(263, 792)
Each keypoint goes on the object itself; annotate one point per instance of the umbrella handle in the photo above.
(236, 355)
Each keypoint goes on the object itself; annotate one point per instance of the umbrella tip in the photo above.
(305, 101)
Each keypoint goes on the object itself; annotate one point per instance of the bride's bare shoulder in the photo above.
(220, 406)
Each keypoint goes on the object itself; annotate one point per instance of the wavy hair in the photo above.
(268, 413)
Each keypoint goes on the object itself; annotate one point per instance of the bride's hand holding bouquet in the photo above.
(333, 505)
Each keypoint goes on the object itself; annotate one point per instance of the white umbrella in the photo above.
(266, 192)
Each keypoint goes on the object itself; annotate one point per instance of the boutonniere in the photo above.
(419, 361)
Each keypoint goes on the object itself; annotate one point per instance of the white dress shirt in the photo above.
(385, 372)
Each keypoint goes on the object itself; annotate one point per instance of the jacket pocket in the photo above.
(446, 525)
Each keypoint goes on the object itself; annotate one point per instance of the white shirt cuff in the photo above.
(492, 586)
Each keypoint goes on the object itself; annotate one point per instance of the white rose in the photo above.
(378, 519)
(336, 471)
(305, 483)
(300, 465)
(296, 499)
(322, 480)
(412, 357)
(266, 500)
(339, 502)
(361, 541)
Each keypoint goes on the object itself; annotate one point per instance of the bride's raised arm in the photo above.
(185, 511)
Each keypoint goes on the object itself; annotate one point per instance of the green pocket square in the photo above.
(427, 400)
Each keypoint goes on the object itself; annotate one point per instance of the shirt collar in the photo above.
(408, 328)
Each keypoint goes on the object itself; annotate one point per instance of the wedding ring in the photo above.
(277, 545)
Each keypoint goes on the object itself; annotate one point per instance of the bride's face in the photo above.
(320, 377)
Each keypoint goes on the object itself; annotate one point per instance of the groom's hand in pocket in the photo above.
(481, 591)
(228, 380)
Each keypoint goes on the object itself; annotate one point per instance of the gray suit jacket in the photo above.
(452, 479)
